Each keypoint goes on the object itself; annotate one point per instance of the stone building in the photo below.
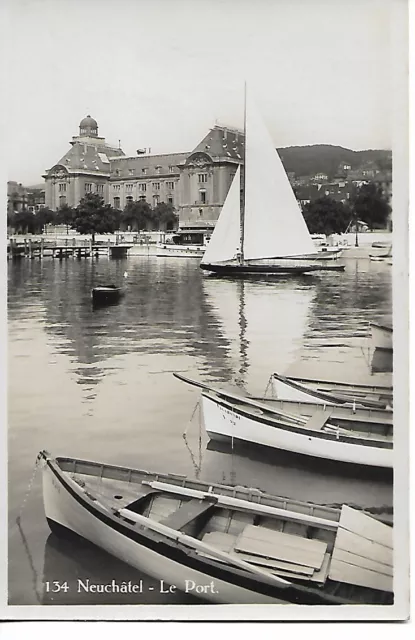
(85, 168)
(195, 183)
(17, 197)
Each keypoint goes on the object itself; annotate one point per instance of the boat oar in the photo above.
(244, 505)
(202, 547)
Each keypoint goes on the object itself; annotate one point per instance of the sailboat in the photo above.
(262, 232)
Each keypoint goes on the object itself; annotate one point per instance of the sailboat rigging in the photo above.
(261, 228)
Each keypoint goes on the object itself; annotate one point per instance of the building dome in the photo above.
(88, 127)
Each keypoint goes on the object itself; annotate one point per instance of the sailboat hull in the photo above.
(268, 267)
(226, 422)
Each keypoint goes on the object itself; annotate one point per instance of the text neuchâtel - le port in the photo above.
(86, 586)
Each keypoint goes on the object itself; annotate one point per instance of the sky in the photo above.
(159, 74)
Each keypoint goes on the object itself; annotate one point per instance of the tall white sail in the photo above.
(225, 241)
(274, 224)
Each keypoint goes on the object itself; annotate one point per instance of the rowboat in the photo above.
(229, 416)
(382, 336)
(332, 392)
(108, 294)
(224, 544)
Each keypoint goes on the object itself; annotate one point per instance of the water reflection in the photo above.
(263, 322)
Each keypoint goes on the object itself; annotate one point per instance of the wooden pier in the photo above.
(74, 247)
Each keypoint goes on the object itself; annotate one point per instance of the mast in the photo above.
(243, 183)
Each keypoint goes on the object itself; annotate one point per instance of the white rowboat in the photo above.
(228, 416)
(221, 543)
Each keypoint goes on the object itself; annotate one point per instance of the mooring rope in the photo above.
(197, 466)
(35, 577)
(269, 384)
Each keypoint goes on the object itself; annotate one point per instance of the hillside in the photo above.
(325, 158)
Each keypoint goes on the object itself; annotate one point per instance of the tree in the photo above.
(93, 216)
(370, 205)
(137, 215)
(325, 215)
(43, 216)
(24, 221)
(165, 216)
(66, 215)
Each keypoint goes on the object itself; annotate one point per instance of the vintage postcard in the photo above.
(207, 310)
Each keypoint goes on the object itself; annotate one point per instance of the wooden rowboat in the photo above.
(229, 416)
(332, 392)
(224, 544)
(108, 294)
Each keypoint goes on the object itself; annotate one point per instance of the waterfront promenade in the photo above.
(121, 244)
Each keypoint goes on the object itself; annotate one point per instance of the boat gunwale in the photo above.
(302, 429)
(357, 385)
(375, 414)
(252, 492)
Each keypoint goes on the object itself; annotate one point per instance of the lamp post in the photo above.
(356, 243)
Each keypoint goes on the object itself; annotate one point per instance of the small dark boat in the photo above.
(107, 294)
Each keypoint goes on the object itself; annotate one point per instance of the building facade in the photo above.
(195, 183)
(85, 168)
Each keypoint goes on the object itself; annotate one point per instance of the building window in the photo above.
(100, 189)
(129, 199)
(202, 177)
(62, 200)
(129, 187)
(117, 172)
(143, 198)
(131, 172)
(158, 169)
(170, 185)
(88, 187)
(62, 186)
(171, 169)
(202, 194)
(156, 186)
(142, 187)
(155, 200)
(116, 187)
(144, 170)
(116, 203)
(170, 200)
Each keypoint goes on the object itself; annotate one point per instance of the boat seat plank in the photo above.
(226, 542)
(345, 572)
(276, 564)
(321, 575)
(138, 503)
(365, 526)
(354, 543)
(318, 420)
(360, 561)
(103, 491)
(162, 506)
(189, 511)
(276, 537)
(281, 546)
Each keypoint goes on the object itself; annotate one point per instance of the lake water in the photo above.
(99, 385)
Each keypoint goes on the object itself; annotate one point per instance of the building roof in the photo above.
(222, 143)
(156, 165)
(86, 157)
(88, 122)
